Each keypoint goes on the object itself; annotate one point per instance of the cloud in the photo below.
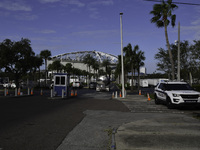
(48, 31)
(14, 6)
(96, 33)
(103, 2)
(76, 2)
(25, 16)
(48, 1)
(93, 7)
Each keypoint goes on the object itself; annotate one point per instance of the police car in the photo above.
(176, 93)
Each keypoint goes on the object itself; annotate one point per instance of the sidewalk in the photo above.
(162, 130)
(135, 130)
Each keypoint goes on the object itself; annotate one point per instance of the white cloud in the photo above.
(25, 16)
(14, 6)
(93, 7)
(102, 2)
(49, 1)
(96, 33)
(48, 31)
(76, 2)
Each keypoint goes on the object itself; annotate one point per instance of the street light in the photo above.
(122, 61)
(178, 72)
(178, 43)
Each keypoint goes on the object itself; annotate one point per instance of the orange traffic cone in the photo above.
(113, 95)
(75, 92)
(139, 92)
(72, 93)
(31, 91)
(148, 97)
(18, 92)
(120, 94)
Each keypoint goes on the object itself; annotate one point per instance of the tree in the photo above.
(37, 63)
(189, 63)
(95, 66)
(88, 60)
(45, 54)
(16, 58)
(106, 63)
(162, 12)
(56, 65)
(130, 59)
(68, 68)
(139, 63)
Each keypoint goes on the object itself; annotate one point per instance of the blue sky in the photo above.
(64, 26)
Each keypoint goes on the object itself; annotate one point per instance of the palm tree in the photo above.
(95, 66)
(88, 60)
(130, 59)
(56, 65)
(68, 68)
(161, 14)
(139, 63)
(45, 54)
(37, 63)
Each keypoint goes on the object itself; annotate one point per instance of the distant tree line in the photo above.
(18, 61)
(189, 59)
(133, 60)
(91, 63)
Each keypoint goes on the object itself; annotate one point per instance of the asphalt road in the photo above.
(40, 123)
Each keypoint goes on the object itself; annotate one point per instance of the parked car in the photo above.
(92, 85)
(6, 85)
(176, 93)
(103, 84)
(13, 85)
(77, 84)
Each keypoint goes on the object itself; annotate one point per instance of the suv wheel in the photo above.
(169, 103)
(157, 101)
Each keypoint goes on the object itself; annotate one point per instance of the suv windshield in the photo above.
(177, 87)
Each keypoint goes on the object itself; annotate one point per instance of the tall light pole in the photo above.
(178, 71)
(122, 54)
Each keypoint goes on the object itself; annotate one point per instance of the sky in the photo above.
(64, 26)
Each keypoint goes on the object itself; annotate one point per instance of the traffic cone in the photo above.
(18, 93)
(113, 95)
(148, 97)
(75, 92)
(139, 92)
(72, 93)
(120, 94)
(31, 91)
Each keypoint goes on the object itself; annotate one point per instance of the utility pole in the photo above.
(122, 54)
(178, 69)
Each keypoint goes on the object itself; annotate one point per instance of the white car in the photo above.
(6, 85)
(176, 93)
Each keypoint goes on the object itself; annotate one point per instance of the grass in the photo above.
(109, 133)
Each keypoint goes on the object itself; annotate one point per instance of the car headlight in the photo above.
(176, 95)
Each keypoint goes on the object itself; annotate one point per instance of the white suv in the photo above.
(174, 93)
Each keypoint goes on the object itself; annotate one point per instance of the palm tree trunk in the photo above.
(138, 78)
(170, 53)
(132, 78)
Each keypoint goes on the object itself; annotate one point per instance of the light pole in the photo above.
(122, 61)
(178, 72)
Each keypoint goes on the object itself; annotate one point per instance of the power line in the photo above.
(174, 2)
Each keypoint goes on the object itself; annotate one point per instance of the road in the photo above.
(40, 123)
